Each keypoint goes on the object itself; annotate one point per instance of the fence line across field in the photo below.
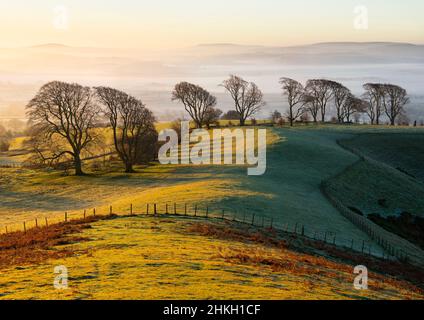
(10, 165)
(209, 212)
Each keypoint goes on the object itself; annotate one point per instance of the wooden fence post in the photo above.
(253, 220)
(36, 222)
(131, 209)
(85, 213)
(6, 229)
(303, 230)
(110, 210)
(155, 209)
(175, 208)
(185, 209)
(47, 222)
(363, 245)
(195, 210)
(207, 211)
(94, 211)
(66, 216)
(24, 227)
(295, 228)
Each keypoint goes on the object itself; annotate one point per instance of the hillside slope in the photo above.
(185, 258)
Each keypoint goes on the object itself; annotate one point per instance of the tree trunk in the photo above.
(291, 117)
(242, 122)
(78, 166)
(129, 168)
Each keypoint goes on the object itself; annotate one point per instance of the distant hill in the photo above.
(332, 53)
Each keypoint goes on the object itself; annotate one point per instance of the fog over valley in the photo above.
(152, 75)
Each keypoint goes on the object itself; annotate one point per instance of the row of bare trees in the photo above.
(317, 95)
(200, 104)
(314, 99)
(64, 123)
(384, 98)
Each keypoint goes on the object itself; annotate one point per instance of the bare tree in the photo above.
(248, 99)
(212, 116)
(231, 115)
(132, 125)
(320, 91)
(352, 106)
(195, 99)
(341, 94)
(313, 107)
(296, 97)
(394, 100)
(374, 93)
(63, 115)
(275, 116)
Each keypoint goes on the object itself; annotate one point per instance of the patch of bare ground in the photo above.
(306, 257)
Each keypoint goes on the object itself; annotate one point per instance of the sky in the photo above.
(162, 24)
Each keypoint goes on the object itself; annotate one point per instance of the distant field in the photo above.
(177, 258)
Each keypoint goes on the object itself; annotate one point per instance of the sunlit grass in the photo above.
(29, 194)
(160, 258)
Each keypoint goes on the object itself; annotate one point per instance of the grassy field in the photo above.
(387, 184)
(289, 192)
(403, 151)
(186, 258)
(146, 251)
(375, 189)
(298, 160)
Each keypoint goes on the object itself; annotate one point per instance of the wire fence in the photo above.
(10, 165)
(298, 230)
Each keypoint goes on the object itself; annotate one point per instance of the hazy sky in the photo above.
(172, 23)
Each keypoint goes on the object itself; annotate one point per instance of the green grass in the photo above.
(403, 151)
(376, 189)
(387, 182)
(289, 192)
